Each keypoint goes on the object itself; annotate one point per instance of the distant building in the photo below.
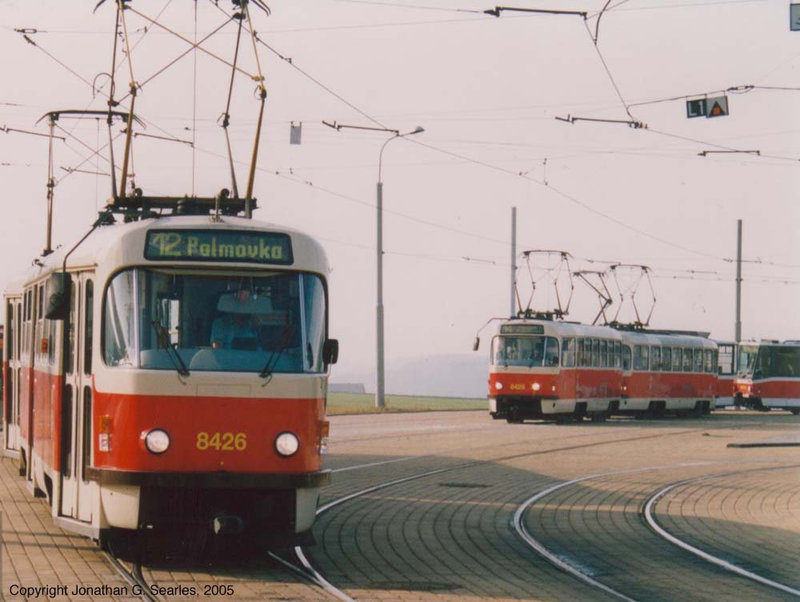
(346, 388)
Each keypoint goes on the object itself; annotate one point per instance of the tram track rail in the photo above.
(133, 576)
(650, 516)
(552, 558)
(318, 576)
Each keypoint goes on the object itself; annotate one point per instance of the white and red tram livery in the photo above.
(553, 370)
(125, 414)
(769, 375)
(668, 372)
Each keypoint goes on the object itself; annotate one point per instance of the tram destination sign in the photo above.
(272, 248)
(521, 329)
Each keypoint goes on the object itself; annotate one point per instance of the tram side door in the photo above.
(76, 404)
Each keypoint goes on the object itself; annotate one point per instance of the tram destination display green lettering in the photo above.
(521, 329)
(272, 248)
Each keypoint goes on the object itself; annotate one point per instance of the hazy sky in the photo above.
(488, 92)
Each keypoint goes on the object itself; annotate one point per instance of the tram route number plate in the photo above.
(273, 248)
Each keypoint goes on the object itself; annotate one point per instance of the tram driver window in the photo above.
(551, 352)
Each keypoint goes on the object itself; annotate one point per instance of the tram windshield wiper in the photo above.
(171, 348)
(275, 354)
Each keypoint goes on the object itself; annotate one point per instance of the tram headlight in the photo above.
(498, 385)
(536, 386)
(156, 441)
(287, 444)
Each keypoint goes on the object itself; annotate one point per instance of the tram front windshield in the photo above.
(747, 359)
(188, 321)
(529, 351)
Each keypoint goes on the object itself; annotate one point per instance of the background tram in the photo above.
(670, 372)
(125, 413)
(553, 370)
(769, 375)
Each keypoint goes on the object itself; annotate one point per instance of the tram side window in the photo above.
(626, 358)
(788, 362)
(568, 353)
(677, 359)
(617, 355)
(66, 432)
(698, 360)
(641, 357)
(687, 360)
(26, 304)
(595, 346)
(708, 360)
(88, 321)
(666, 359)
(10, 330)
(87, 432)
(69, 358)
(655, 358)
(763, 363)
(725, 358)
(580, 353)
(40, 292)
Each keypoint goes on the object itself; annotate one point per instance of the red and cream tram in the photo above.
(769, 375)
(668, 372)
(171, 373)
(552, 370)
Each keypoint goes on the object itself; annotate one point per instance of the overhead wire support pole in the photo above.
(380, 400)
(738, 323)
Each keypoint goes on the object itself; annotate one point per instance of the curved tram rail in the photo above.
(632, 492)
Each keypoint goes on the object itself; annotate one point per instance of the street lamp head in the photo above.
(418, 130)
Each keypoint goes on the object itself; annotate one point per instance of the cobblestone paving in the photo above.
(435, 520)
(40, 558)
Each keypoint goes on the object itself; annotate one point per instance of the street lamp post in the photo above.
(380, 400)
